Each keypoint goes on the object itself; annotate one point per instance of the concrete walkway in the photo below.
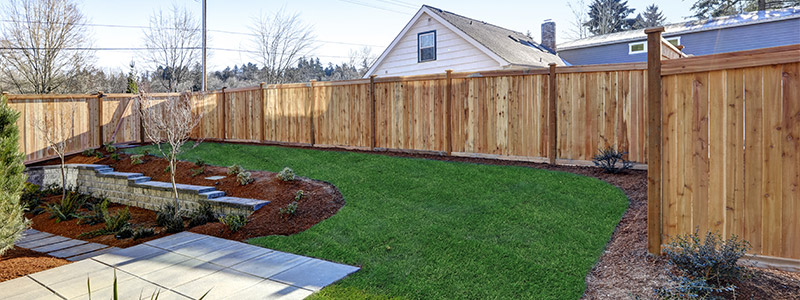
(183, 266)
(61, 247)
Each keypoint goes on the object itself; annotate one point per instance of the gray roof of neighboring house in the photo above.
(687, 27)
(515, 47)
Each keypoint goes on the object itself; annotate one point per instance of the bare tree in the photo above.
(168, 123)
(41, 43)
(279, 40)
(580, 14)
(174, 37)
(57, 130)
(362, 59)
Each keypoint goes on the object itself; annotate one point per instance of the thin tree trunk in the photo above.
(63, 179)
(174, 187)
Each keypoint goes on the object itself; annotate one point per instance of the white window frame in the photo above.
(644, 44)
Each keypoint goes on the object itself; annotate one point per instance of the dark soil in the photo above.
(19, 262)
(320, 201)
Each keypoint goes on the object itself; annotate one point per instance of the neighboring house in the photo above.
(747, 31)
(436, 40)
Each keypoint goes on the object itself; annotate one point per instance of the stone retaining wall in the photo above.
(135, 189)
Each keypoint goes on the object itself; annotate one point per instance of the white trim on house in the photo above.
(644, 45)
(425, 10)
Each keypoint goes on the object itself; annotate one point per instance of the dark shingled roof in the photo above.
(515, 47)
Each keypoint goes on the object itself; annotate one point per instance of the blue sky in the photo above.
(353, 22)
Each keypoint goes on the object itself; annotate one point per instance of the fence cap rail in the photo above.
(732, 60)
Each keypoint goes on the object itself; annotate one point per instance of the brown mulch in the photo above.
(320, 201)
(19, 262)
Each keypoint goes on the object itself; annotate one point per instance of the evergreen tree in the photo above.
(652, 17)
(133, 87)
(608, 16)
(704, 9)
(12, 179)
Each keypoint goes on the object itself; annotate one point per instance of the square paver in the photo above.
(182, 272)
(234, 254)
(151, 264)
(59, 246)
(77, 285)
(175, 240)
(129, 254)
(130, 288)
(218, 177)
(43, 242)
(92, 254)
(268, 265)
(200, 246)
(71, 271)
(18, 286)
(38, 294)
(32, 235)
(219, 285)
(82, 249)
(269, 289)
(315, 274)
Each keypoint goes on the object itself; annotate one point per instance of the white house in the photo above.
(436, 40)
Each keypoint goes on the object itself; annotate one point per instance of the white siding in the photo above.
(452, 52)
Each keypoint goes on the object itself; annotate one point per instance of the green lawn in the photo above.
(426, 229)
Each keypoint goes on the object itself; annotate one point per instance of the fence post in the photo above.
(224, 116)
(553, 114)
(100, 117)
(263, 127)
(313, 99)
(654, 139)
(373, 115)
(449, 112)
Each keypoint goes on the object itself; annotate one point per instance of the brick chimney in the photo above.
(549, 35)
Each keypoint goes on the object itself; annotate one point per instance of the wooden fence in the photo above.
(729, 150)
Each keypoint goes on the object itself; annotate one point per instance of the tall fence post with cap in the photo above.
(100, 117)
(553, 124)
(224, 116)
(449, 112)
(373, 114)
(263, 104)
(654, 139)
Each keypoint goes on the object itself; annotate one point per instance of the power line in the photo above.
(373, 6)
(169, 28)
(401, 4)
(145, 49)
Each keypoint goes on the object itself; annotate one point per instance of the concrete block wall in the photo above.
(135, 189)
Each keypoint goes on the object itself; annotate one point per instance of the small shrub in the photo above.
(124, 233)
(67, 208)
(234, 221)
(299, 195)
(244, 178)
(89, 152)
(116, 157)
(31, 198)
(116, 224)
(290, 209)
(146, 152)
(235, 170)
(202, 215)
(98, 155)
(287, 174)
(136, 159)
(200, 163)
(706, 267)
(611, 160)
(95, 213)
(198, 171)
(143, 232)
(109, 147)
(167, 218)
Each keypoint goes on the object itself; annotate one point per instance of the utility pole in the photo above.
(203, 85)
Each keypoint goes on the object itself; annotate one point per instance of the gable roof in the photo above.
(514, 47)
(750, 18)
(494, 41)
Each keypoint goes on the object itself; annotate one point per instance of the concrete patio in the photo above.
(181, 266)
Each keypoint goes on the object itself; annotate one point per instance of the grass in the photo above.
(426, 229)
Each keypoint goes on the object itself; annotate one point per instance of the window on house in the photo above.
(426, 46)
(641, 47)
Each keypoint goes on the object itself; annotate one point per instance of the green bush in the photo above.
(244, 178)
(287, 174)
(235, 170)
(116, 157)
(200, 163)
(143, 232)
(116, 224)
(198, 171)
(109, 147)
(706, 266)
(12, 179)
(299, 195)
(234, 221)
(611, 160)
(202, 215)
(89, 152)
(31, 198)
(95, 215)
(168, 218)
(67, 208)
(290, 209)
(136, 159)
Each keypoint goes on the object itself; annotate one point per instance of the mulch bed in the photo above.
(19, 262)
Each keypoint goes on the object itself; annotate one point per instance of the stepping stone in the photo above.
(77, 250)
(92, 254)
(215, 177)
(43, 242)
(219, 285)
(175, 240)
(58, 246)
(31, 235)
(269, 289)
(315, 274)
(132, 286)
(273, 263)
(152, 264)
